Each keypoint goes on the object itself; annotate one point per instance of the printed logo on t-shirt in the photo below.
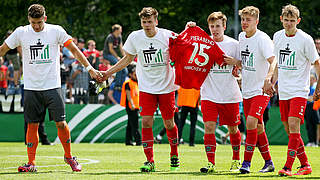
(219, 69)
(247, 60)
(39, 53)
(153, 57)
(287, 59)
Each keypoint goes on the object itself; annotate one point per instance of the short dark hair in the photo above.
(131, 68)
(36, 11)
(147, 12)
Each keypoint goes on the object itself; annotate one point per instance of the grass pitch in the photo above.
(117, 161)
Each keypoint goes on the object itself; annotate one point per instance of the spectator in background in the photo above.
(92, 54)
(114, 95)
(188, 100)
(317, 43)
(13, 56)
(130, 100)
(80, 77)
(81, 44)
(3, 77)
(113, 52)
(10, 78)
(103, 66)
(311, 116)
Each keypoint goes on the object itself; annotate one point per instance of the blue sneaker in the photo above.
(245, 169)
(268, 167)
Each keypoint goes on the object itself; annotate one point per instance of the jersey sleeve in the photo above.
(310, 50)
(129, 46)
(63, 37)
(266, 46)
(13, 40)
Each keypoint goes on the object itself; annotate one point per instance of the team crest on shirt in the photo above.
(219, 69)
(247, 60)
(39, 53)
(153, 57)
(287, 59)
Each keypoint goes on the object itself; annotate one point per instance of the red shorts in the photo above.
(149, 103)
(228, 113)
(294, 107)
(255, 107)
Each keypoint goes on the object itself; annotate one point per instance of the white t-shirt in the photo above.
(295, 55)
(254, 53)
(154, 73)
(40, 55)
(220, 86)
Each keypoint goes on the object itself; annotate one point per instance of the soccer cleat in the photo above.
(210, 168)
(175, 163)
(75, 166)
(235, 165)
(148, 167)
(285, 172)
(27, 168)
(268, 167)
(245, 168)
(304, 170)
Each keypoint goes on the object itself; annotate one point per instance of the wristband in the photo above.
(88, 68)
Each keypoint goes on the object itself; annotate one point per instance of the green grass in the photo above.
(117, 161)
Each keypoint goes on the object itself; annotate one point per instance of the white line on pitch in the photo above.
(91, 161)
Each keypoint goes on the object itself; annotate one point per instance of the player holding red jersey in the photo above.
(220, 96)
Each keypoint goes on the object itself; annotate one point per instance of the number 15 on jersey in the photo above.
(198, 49)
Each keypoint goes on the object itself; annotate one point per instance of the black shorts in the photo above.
(36, 103)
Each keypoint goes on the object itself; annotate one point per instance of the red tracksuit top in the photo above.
(193, 52)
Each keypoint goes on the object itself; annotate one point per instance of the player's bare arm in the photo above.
(122, 63)
(4, 48)
(268, 87)
(316, 94)
(83, 60)
(232, 61)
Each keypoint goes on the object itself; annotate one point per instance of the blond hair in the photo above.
(290, 11)
(91, 42)
(251, 11)
(216, 16)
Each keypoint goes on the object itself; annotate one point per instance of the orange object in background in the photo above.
(316, 105)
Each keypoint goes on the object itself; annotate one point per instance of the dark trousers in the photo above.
(133, 127)
(185, 110)
(311, 118)
(42, 134)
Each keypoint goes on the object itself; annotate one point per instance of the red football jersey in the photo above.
(193, 52)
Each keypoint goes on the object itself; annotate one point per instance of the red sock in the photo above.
(294, 142)
(235, 140)
(301, 154)
(210, 146)
(263, 146)
(65, 139)
(172, 135)
(251, 141)
(32, 142)
(147, 143)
